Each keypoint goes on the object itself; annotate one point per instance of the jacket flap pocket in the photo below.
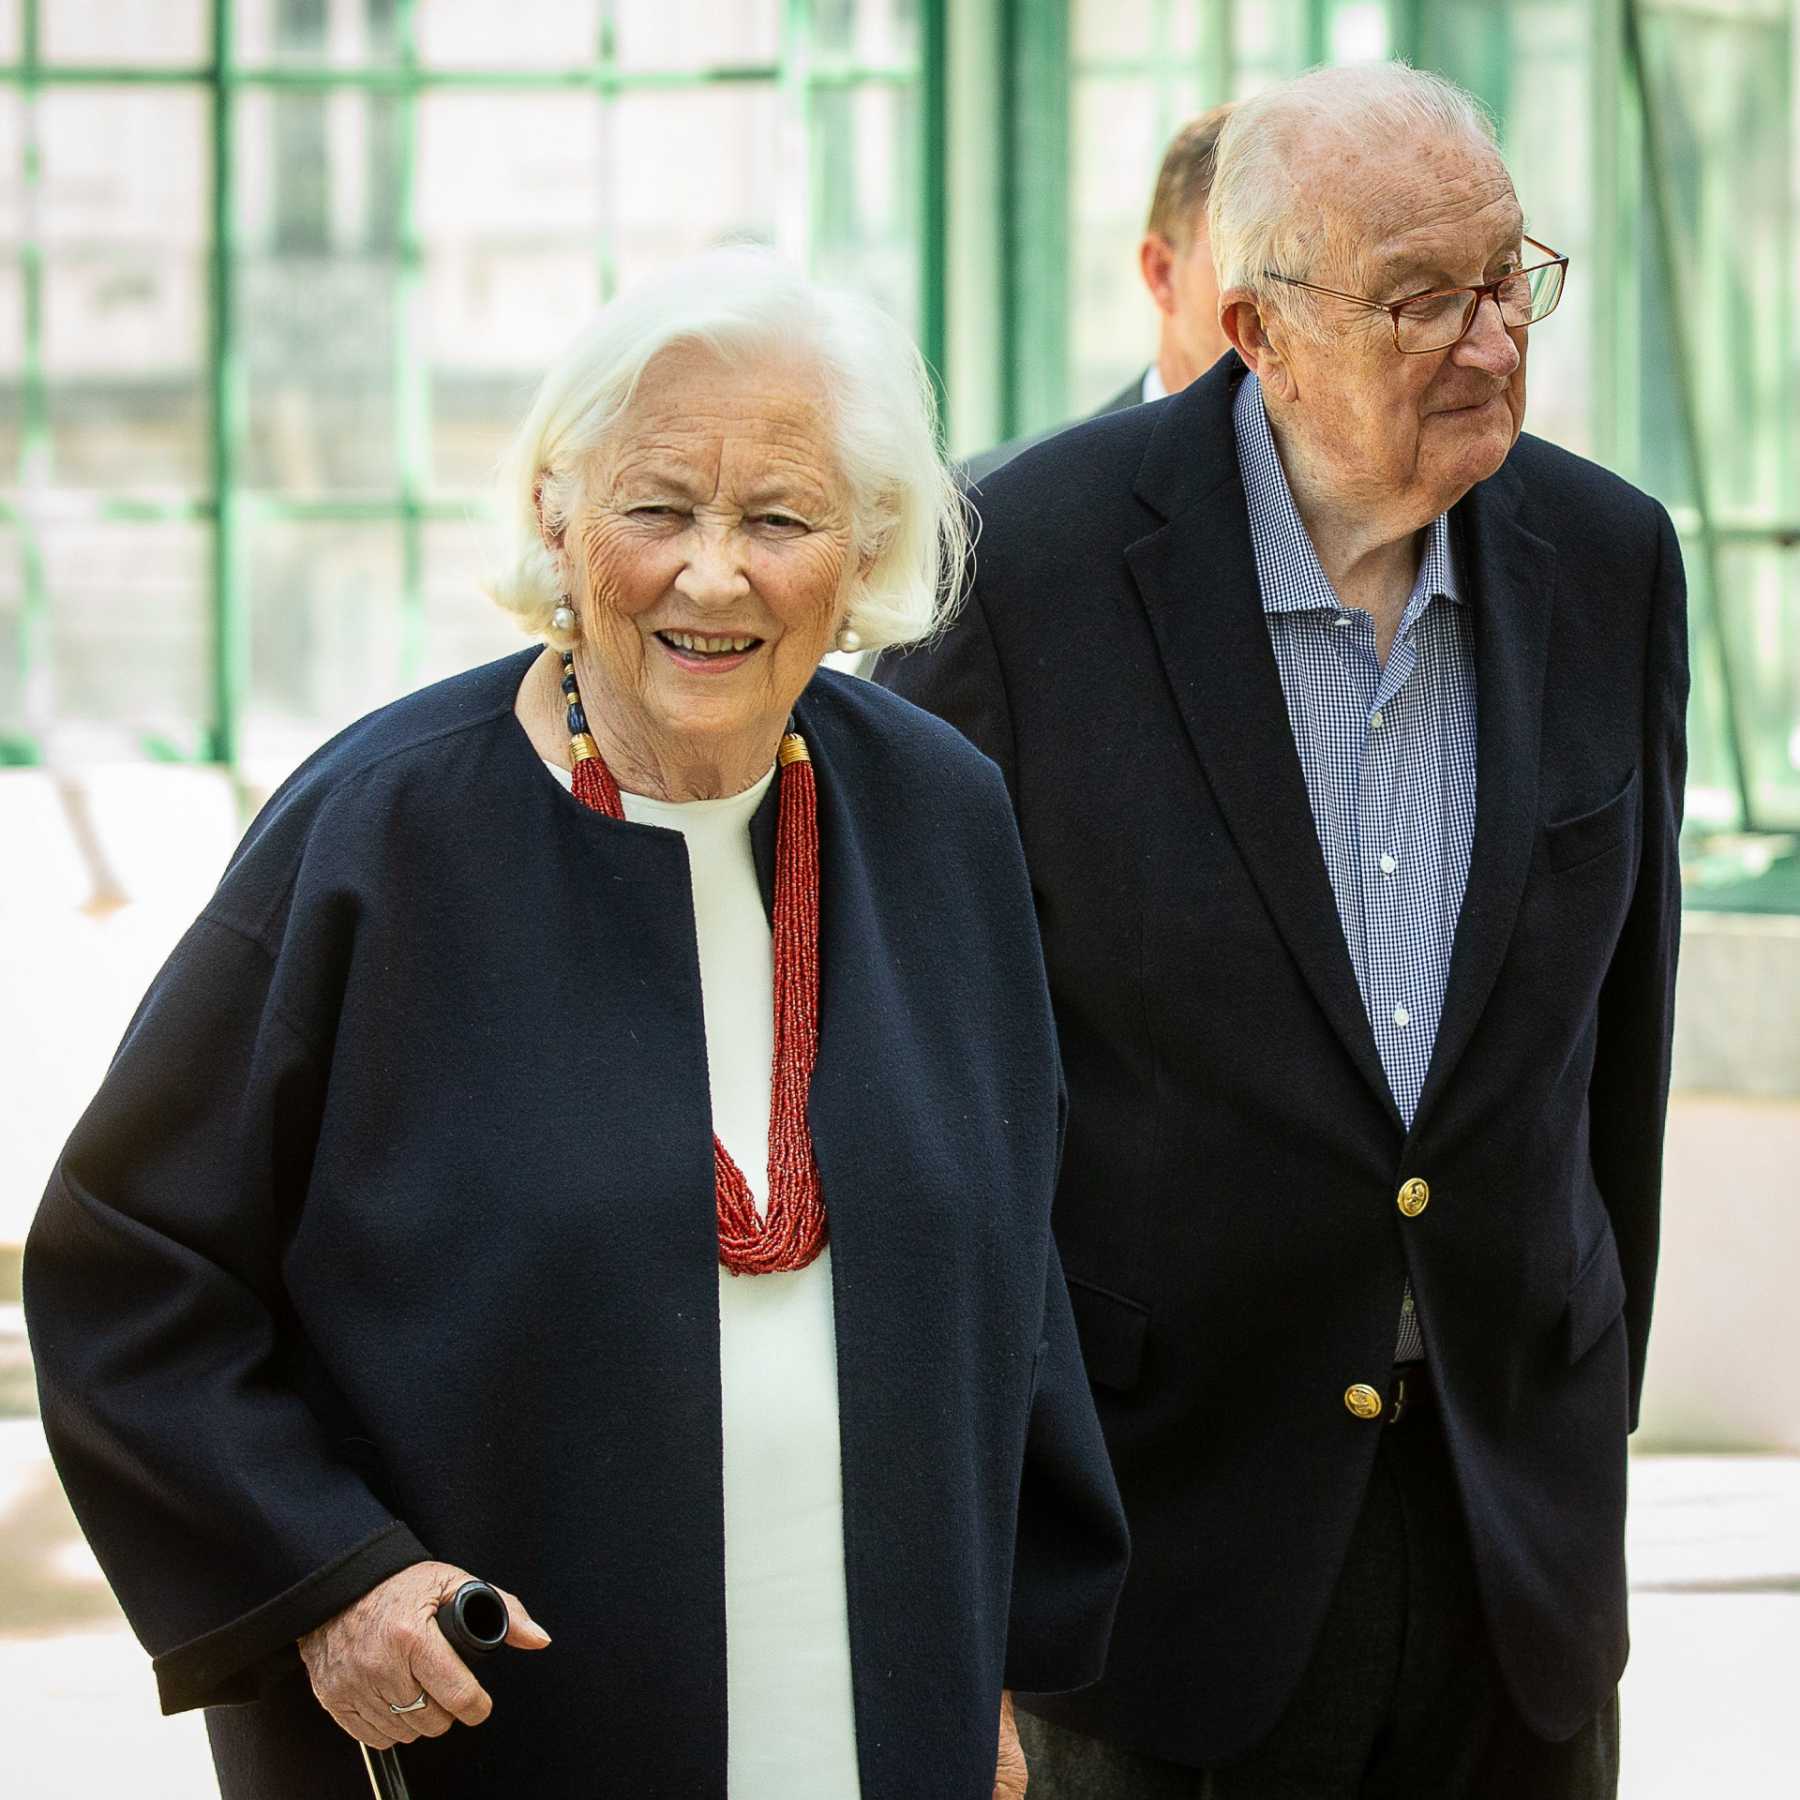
(1596, 1298)
(1571, 841)
(1111, 1329)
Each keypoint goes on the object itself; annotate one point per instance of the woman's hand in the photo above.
(1009, 1767)
(387, 1650)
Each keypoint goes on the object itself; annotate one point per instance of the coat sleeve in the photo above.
(1072, 1546)
(1628, 1097)
(958, 676)
(207, 1486)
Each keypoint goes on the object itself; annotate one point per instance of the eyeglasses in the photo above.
(1440, 317)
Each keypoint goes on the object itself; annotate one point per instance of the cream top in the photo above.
(791, 1722)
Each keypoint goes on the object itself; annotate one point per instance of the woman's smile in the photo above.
(707, 653)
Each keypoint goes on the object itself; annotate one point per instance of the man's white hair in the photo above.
(1263, 217)
(907, 517)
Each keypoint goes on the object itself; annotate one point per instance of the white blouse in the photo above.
(790, 1717)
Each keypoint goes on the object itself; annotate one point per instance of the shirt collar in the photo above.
(1287, 567)
(1153, 388)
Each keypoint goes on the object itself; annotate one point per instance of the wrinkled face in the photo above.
(710, 554)
(1195, 320)
(1418, 429)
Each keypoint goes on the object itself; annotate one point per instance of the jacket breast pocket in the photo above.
(1596, 1298)
(1568, 843)
(1112, 1330)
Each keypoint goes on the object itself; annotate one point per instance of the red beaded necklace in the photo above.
(792, 1231)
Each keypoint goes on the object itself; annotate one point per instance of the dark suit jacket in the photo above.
(1227, 1209)
(979, 468)
(391, 1233)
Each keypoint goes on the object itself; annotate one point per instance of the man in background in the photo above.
(1175, 260)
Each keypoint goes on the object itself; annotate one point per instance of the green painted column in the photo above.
(1035, 227)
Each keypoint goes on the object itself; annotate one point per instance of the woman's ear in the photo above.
(552, 537)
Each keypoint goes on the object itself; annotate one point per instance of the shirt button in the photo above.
(1376, 720)
(1402, 1016)
(1343, 618)
(1388, 865)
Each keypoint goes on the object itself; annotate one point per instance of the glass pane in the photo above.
(1547, 130)
(124, 33)
(1269, 43)
(514, 168)
(1119, 130)
(12, 373)
(1723, 93)
(126, 294)
(326, 631)
(11, 20)
(12, 644)
(696, 34)
(876, 32)
(1762, 610)
(865, 199)
(463, 627)
(478, 34)
(317, 275)
(726, 184)
(344, 34)
(131, 631)
(12, 164)
(1103, 30)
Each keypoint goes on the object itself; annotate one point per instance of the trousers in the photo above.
(1402, 1698)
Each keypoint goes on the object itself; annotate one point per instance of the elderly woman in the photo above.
(600, 1138)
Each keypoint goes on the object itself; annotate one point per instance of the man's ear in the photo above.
(1156, 263)
(1247, 330)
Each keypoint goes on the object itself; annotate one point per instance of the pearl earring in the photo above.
(849, 640)
(563, 619)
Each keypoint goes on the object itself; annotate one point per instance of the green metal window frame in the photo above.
(800, 74)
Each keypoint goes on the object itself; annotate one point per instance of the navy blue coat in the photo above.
(1227, 1211)
(391, 1235)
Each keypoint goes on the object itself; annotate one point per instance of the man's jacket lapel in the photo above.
(1196, 575)
(1511, 580)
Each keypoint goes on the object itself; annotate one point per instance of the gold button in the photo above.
(1363, 1401)
(1415, 1196)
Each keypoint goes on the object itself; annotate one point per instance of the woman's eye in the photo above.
(781, 520)
(653, 512)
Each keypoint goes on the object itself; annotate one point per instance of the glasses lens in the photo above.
(1433, 321)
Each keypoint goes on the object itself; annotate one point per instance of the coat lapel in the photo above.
(1512, 575)
(1197, 579)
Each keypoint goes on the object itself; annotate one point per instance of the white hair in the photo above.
(907, 517)
(1262, 217)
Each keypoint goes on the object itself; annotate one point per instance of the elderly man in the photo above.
(1176, 262)
(1344, 727)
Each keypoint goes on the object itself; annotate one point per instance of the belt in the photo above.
(1414, 1391)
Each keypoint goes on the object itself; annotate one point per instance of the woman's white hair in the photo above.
(907, 517)
(1262, 216)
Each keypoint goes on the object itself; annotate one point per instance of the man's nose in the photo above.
(1487, 344)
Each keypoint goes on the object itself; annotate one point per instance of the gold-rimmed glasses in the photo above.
(1440, 317)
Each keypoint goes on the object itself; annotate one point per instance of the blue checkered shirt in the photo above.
(1388, 752)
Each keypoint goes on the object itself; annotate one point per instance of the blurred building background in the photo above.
(277, 278)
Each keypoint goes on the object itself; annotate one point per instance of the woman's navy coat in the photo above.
(391, 1235)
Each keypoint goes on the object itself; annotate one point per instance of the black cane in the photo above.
(474, 1620)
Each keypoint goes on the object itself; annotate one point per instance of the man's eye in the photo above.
(781, 519)
(656, 511)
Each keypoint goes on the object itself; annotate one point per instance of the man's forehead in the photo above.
(1405, 206)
